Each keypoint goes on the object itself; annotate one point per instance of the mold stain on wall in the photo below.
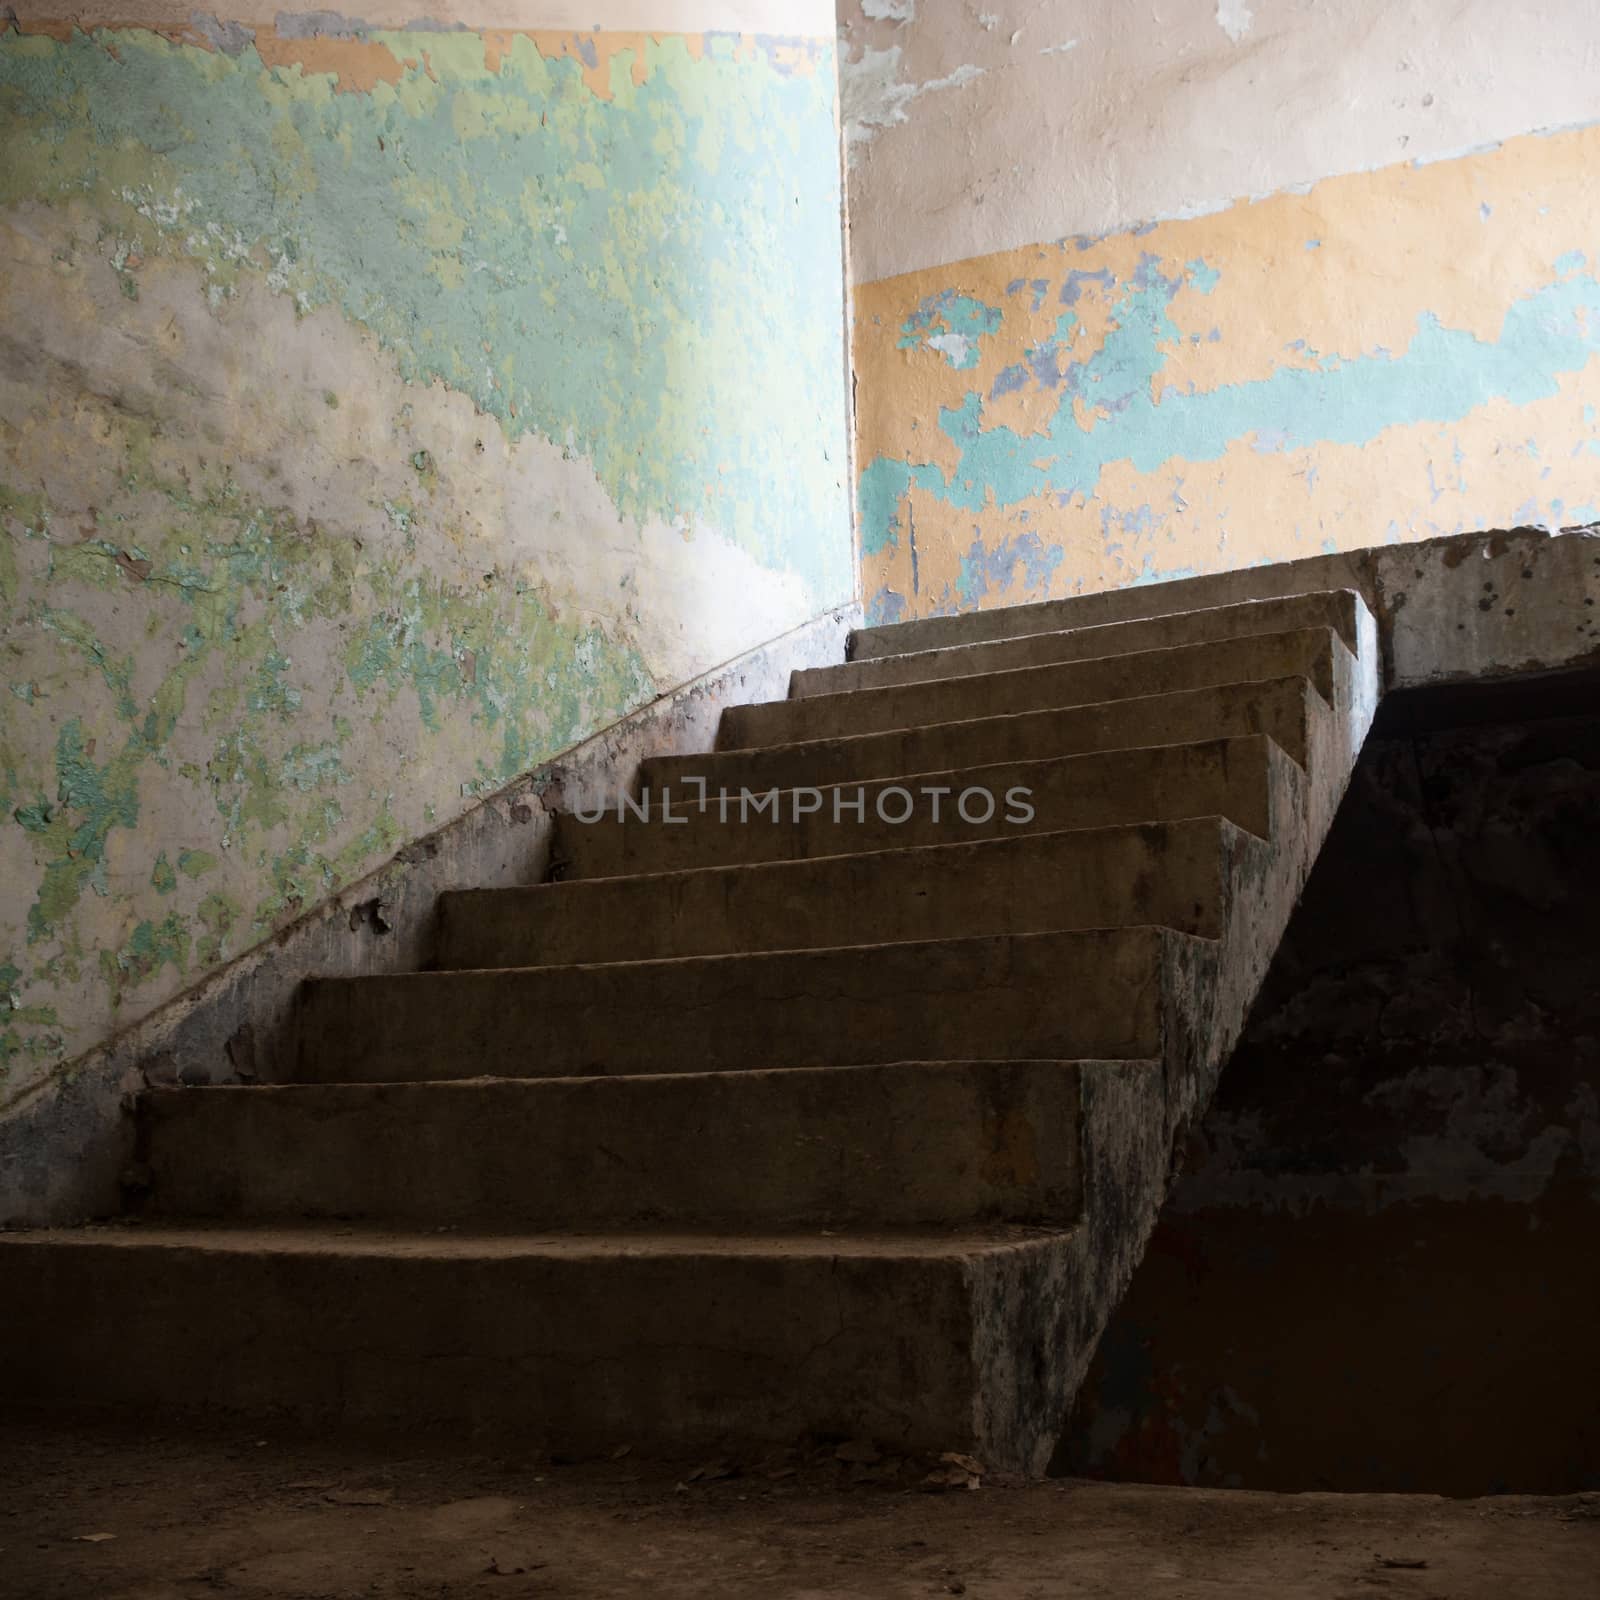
(380, 415)
(1389, 356)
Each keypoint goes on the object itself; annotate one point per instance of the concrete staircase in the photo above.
(815, 1122)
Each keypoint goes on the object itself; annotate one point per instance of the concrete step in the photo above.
(1174, 874)
(915, 1339)
(1285, 710)
(1305, 653)
(1329, 608)
(1138, 603)
(1115, 994)
(1232, 778)
(928, 1142)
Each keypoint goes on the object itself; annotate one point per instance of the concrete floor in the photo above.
(270, 1514)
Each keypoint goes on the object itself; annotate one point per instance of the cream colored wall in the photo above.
(980, 125)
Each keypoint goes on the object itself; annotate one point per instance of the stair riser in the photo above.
(1225, 779)
(1307, 653)
(1164, 874)
(1334, 609)
(1283, 711)
(579, 1353)
(1167, 874)
(1044, 997)
(912, 1143)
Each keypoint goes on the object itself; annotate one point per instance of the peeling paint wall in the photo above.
(1377, 1270)
(385, 406)
(1387, 357)
(1139, 296)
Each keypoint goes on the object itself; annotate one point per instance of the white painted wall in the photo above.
(981, 125)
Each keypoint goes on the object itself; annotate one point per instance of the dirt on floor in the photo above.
(97, 1512)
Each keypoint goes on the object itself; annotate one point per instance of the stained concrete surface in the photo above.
(1378, 1269)
(961, 1337)
(265, 1515)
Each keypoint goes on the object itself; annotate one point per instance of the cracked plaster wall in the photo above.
(385, 406)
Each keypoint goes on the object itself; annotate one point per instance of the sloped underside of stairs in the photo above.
(784, 1110)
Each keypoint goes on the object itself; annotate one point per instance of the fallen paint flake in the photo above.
(1234, 18)
(874, 96)
(956, 348)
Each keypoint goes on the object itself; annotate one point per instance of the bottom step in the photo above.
(942, 1340)
(916, 1143)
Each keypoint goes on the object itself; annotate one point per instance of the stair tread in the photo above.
(1172, 873)
(1246, 778)
(1134, 603)
(1129, 712)
(1128, 661)
(754, 1151)
(1120, 703)
(1224, 742)
(845, 1004)
(807, 953)
(1243, 610)
(1200, 823)
(456, 1244)
(613, 1081)
(1049, 685)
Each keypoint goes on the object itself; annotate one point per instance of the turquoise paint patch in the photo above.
(1442, 376)
(883, 487)
(952, 324)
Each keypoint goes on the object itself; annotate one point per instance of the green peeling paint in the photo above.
(229, 709)
(608, 274)
(253, 576)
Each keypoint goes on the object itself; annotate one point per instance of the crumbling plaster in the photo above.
(981, 125)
